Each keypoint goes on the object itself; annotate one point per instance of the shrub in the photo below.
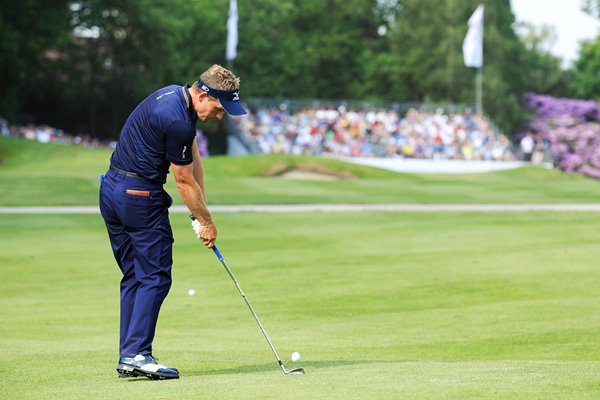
(573, 129)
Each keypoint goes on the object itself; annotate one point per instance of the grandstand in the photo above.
(407, 131)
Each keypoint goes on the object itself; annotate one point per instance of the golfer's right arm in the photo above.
(192, 195)
(198, 169)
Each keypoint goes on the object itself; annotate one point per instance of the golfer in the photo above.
(158, 135)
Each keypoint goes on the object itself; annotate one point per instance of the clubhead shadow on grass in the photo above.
(241, 369)
(272, 367)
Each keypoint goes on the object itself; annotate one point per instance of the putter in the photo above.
(295, 371)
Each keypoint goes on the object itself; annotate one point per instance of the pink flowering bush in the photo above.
(573, 129)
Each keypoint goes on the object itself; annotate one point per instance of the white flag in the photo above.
(473, 43)
(232, 31)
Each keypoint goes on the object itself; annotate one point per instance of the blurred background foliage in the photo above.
(83, 65)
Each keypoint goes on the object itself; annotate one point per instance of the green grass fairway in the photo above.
(48, 174)
(380, 305)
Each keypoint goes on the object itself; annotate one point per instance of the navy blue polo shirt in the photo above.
(160, 131)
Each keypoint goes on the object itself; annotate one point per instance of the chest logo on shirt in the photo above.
(183, 151)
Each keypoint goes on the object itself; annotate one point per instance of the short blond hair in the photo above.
(220, 78)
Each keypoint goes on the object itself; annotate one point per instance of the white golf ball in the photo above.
(192, 292)
(295, 356)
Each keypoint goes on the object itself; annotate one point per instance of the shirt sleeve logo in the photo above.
(165, 94)
(183, 151)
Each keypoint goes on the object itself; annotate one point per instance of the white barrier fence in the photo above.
(436, 166)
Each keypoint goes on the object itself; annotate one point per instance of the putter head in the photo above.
(295, 371)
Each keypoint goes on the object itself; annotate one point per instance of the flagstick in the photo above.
(232, 34)
(478, 90)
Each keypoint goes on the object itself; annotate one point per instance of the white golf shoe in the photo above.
(145, 366)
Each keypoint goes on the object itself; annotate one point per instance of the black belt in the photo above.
(126, 173)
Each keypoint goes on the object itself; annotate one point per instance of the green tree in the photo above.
(544, 72)
(586, 76)
(108, 54)
(117, 53)
(28, 30)
(591, 7)
(308, 48)
(426, 60)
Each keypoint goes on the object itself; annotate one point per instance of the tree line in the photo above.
(83, 65)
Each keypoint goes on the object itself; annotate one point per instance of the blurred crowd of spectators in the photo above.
(47, 134)
(338, 131)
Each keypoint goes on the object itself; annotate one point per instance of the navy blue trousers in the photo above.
(137, 219)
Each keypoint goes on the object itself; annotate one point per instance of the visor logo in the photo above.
(236, 96)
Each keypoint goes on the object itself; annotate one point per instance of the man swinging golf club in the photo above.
(158, 135)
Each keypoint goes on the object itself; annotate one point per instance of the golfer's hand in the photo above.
(208, 234)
